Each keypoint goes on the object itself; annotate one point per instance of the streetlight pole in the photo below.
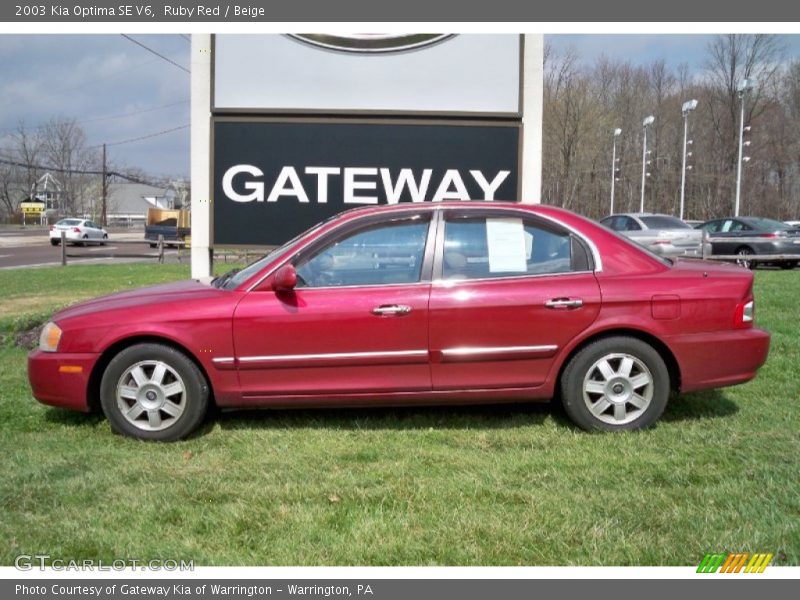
(617, 132)
(647, 121)
(686, 108)
(744, 87)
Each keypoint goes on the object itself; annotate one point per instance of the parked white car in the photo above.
(77, 231)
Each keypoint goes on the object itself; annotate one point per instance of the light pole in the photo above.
(617, 132)
(647, 121)
(744, 87)
(687, 107)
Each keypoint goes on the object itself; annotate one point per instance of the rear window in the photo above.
(70, 222)
(769, 224)
(663, 222)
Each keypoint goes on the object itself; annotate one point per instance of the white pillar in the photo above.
(201, 155)
(532, 116)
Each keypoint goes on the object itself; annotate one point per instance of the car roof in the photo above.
(642, 214)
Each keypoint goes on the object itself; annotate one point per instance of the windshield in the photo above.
(237, 277)
(663, 222)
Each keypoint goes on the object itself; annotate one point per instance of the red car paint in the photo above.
(463, 341)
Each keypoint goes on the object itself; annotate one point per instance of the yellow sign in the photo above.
(32, 208)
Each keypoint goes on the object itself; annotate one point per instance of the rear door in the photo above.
(508, 293)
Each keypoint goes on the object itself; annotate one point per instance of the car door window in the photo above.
(727, 226)
(631, 225)
(712, 227)
(736, 226)
(485, 247)
(378, 255)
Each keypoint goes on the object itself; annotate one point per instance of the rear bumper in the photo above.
(60, 379)
(719, 359)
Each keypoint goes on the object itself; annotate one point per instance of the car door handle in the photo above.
(564, 303)
(391, 309)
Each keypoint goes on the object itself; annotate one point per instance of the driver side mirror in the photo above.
(285, 279)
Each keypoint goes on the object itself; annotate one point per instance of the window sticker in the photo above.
(507, 246)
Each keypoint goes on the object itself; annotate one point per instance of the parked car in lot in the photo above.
(77, 231)
(664, 234)
(749, 237)
(470, 303)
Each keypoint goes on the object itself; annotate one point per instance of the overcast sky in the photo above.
(119, 91)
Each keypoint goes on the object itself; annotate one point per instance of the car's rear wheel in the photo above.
(153, 392)
(617, 383)
(54, 242)
(105, 239)
(745, 252)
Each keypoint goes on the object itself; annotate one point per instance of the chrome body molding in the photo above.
(473, 353)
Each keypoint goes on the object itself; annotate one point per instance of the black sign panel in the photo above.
(273, 180)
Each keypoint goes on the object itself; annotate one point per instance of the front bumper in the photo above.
(60, 379)
(719, 359)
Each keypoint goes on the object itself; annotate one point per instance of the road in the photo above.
(30, 247)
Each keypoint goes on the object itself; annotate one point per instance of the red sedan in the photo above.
(413, 304)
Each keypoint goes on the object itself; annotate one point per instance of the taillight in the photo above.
(773, 235)
(745, 313)
(76, 229)
(52, 227)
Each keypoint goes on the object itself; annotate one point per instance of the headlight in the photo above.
(51, 335)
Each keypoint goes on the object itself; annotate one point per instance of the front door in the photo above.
(508, 294)
(357, 323)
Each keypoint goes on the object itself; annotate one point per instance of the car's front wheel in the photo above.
(153, 392)
(616, 383)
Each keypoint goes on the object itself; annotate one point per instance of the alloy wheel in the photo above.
(618, 388)
(151, 395)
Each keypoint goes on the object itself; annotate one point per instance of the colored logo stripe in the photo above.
(735, 563)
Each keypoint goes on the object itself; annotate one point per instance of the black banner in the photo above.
(702, 587)
(273, 180)
(443, 11)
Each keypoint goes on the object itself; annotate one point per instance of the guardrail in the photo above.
(160, 245)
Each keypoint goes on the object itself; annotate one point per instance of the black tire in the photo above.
(154, 245)
(583, 370)
(744, 252)
(105, 239)
(151, 397)
(54, 242)
(788, 264)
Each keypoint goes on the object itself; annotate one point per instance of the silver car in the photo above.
(663, 234)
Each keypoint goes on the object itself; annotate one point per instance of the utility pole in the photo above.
(647, 121)
(617, 131)
(686, 109)
(743, 88)
(105, 188)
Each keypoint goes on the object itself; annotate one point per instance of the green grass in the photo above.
(426, 486)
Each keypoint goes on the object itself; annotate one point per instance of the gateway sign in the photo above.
(272, 180)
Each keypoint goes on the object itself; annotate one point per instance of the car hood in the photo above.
(156, 294)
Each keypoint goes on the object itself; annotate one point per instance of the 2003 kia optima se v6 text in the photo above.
(413, 304)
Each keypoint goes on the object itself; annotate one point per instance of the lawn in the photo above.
(425, 486)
